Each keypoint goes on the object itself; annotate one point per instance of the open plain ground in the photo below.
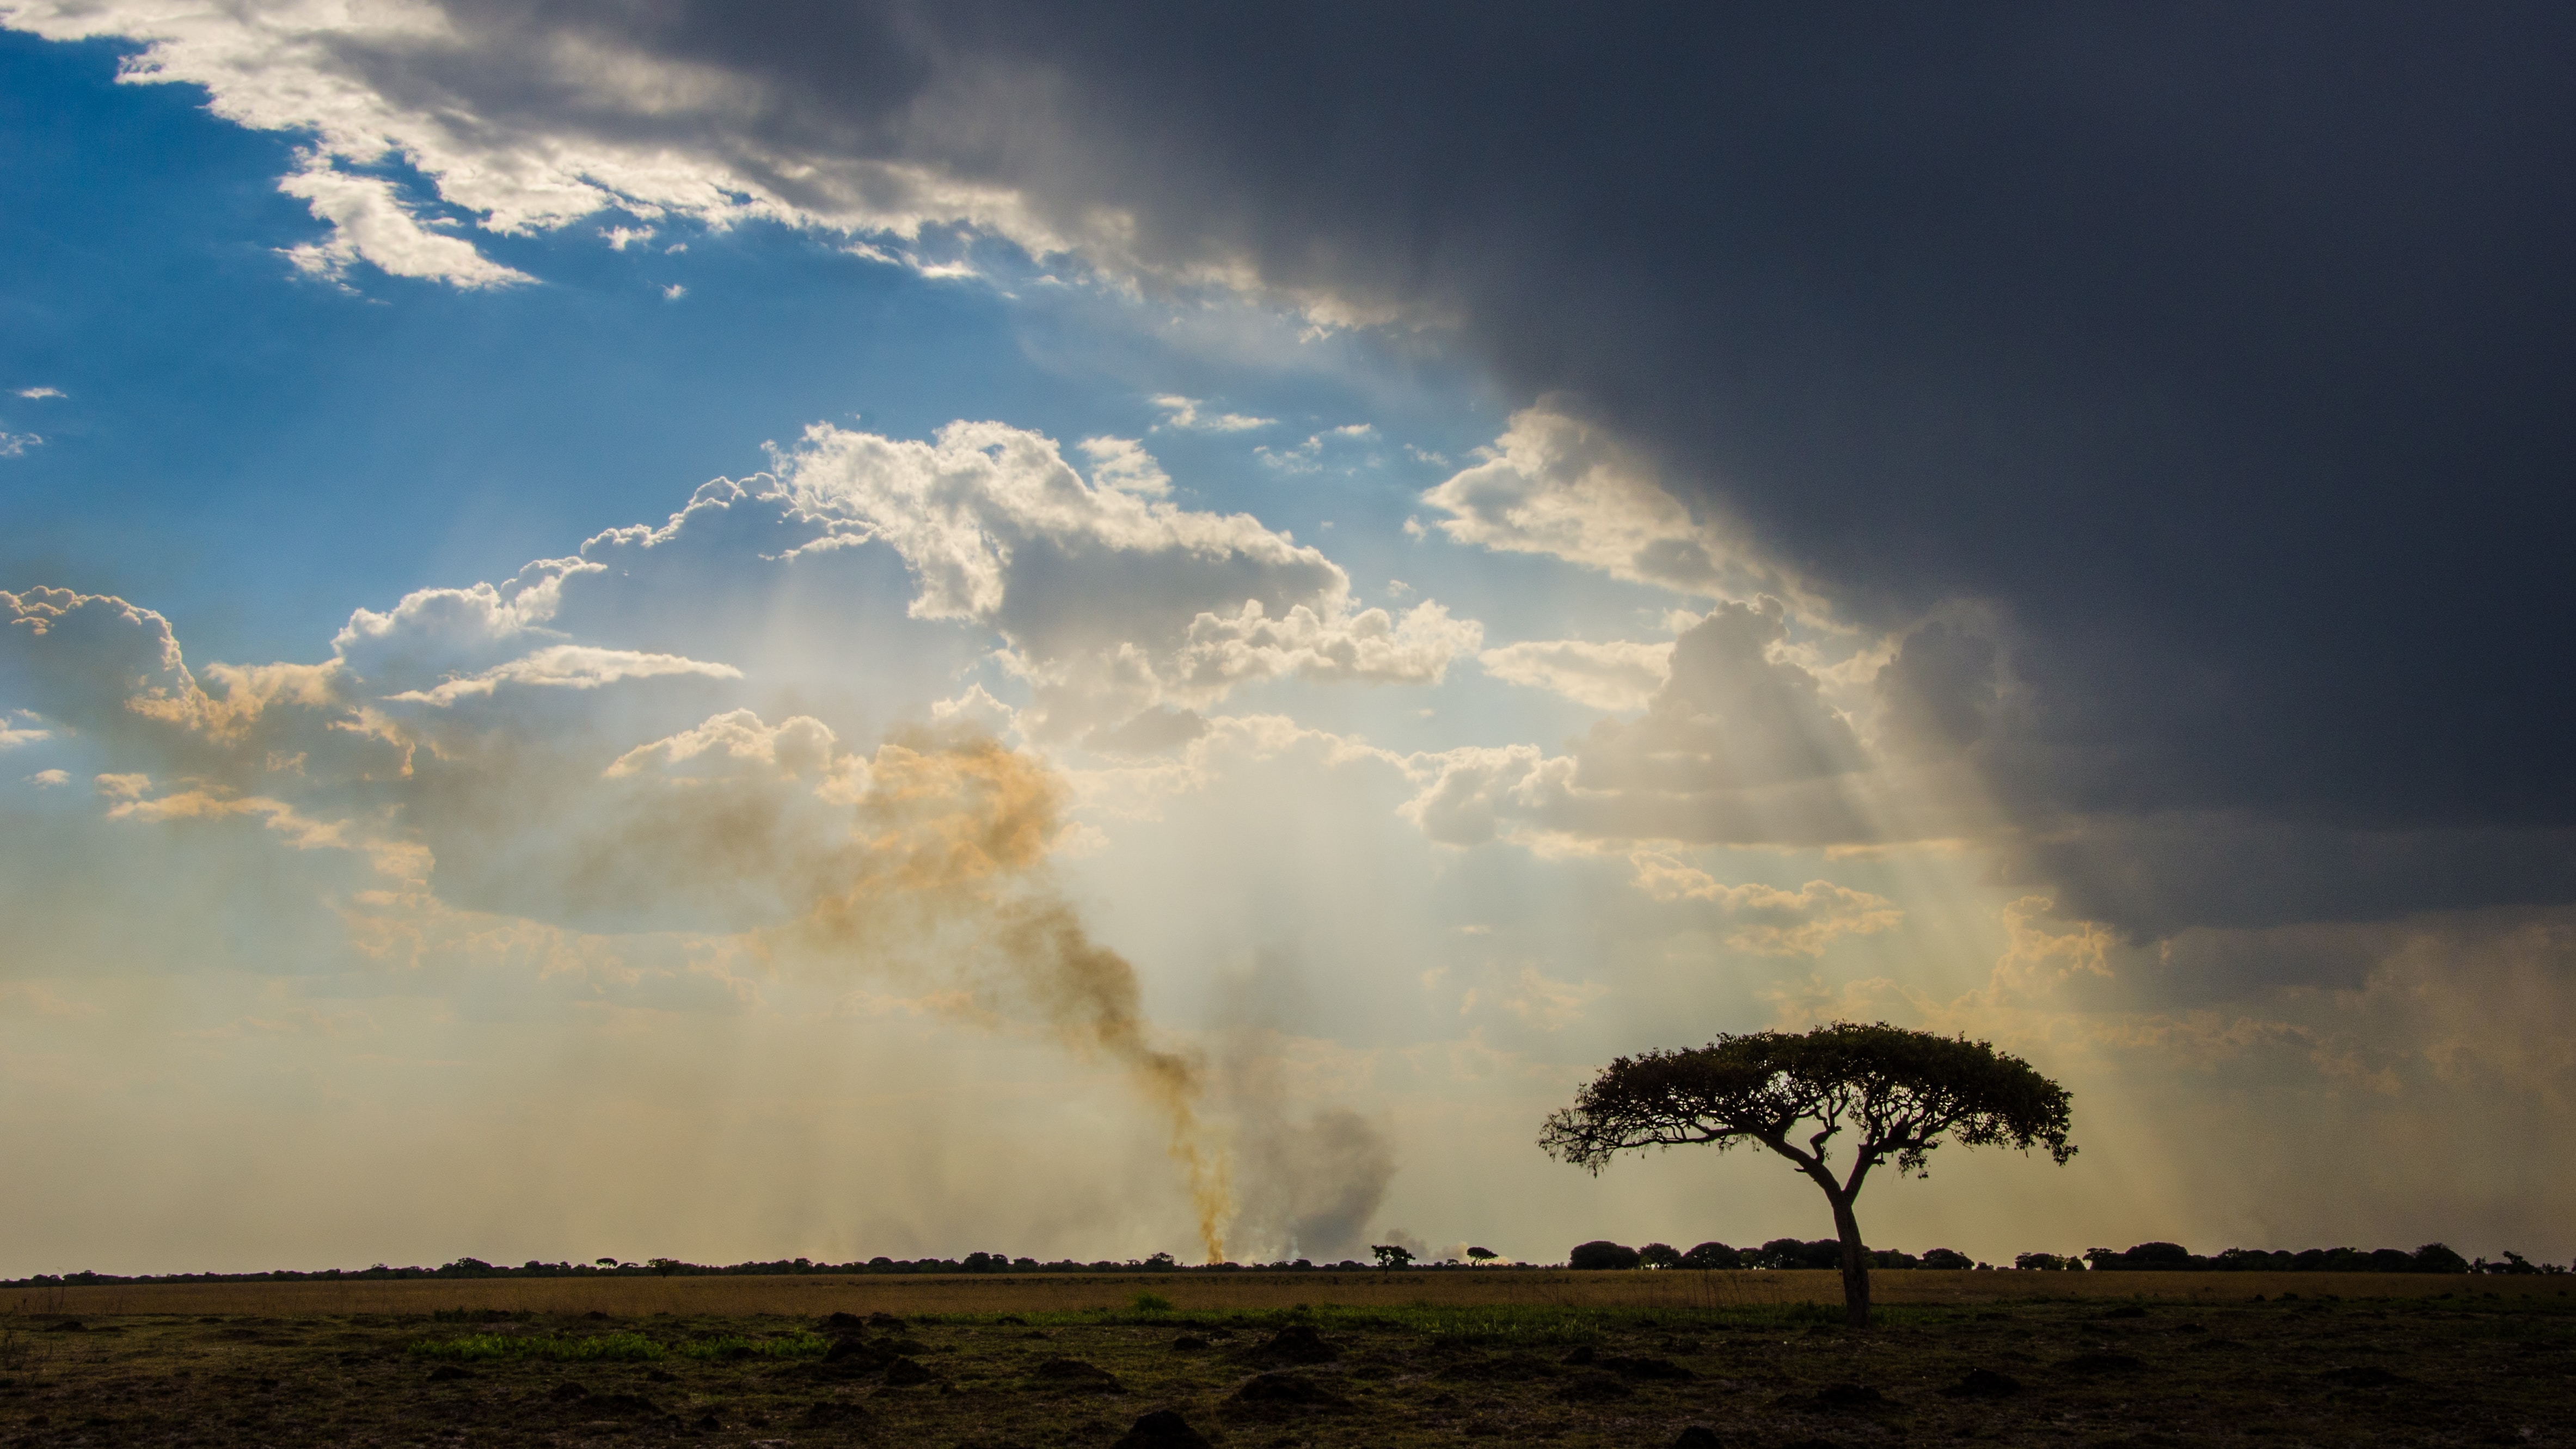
(1267, 1361)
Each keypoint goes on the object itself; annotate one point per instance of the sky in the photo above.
(759, 631)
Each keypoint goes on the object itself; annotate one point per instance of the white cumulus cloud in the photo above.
(370, 222)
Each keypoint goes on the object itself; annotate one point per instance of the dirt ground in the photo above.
(2467, 1362)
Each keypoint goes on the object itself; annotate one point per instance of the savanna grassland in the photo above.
(1267, 1361)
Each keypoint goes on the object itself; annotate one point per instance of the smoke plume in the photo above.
(951, 882)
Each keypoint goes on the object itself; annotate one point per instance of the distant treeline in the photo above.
(672, 1267)
(1780, 1253)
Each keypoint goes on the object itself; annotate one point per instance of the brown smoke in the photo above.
(955, 829)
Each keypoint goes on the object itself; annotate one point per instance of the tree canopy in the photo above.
(1897, 1093)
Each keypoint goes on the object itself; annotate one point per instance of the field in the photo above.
(1267, 1361)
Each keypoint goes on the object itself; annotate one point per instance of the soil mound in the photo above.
(907, 1370)
(1271, 1395)
(446, 1371)
(1984, 1384)
(1162, 1429)
(845, 1322)
(2362, 1376)
(1295, 1344)
(834, 1414)
(1073, 1373)
(1697, 1436)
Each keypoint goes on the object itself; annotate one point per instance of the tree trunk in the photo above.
(1855, 1264)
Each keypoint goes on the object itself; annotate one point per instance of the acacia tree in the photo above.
(1898, 1093)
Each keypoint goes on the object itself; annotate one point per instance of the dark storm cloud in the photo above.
(2226, 352)
(2219, 355)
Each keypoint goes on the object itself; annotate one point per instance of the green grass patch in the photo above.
(794, 1345)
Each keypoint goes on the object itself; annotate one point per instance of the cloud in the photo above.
(40, 393)
(15, 445)
(1738, 746)
(1308, 456)
(567, 666)
(1770, 921)
(21, 727)
(1181, 415)
(1554, 484)
(1852, 328)
(619, 238)
(1548, 1004)
(1123, 464)
(1618, 676)
(369, 222)
(47, 779)
(1113, 601)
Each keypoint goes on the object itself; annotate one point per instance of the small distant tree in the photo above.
(1159, 1263)
(1659, 1255)
(1897, 1093)
(1391, 1257)
(608, 1263)
(664, 1266)
(1481, 1255)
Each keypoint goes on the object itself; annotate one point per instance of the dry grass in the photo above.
(2418, 1372)
(910, 1296)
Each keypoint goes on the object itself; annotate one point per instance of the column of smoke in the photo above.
(951, 883)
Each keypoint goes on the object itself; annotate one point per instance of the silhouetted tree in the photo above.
(1390, 1257)
(1899, 1093)
(1659, 1255)
(1712, 1255)
(1601, 1255)
(1482, 1255)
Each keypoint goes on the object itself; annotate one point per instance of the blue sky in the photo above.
(556, 610)
(347, 442)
